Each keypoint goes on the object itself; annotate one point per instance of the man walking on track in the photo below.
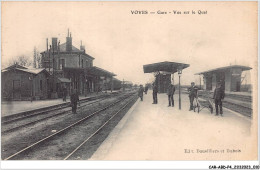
(155, 90)
(74, 99)
(170, 93)
(192, 94)
(218, 96)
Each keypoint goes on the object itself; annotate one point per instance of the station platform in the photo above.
(158, 132)
(14, 107)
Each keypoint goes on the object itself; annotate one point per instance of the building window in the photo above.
(62, 63)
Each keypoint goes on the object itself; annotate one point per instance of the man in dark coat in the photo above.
(141, 92)
(218, 96)
(64, 92)
(74, 99)
(155, 90)
(193, 90)
(170, 93)
(146, 89)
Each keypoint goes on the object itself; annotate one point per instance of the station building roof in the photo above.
(15, 66)
(63, 50)
(221, 69)
(165, 66)
(34, 71)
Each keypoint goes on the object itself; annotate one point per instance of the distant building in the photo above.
(127, 85)
(21, 83)
(73, 68)
(230, 77)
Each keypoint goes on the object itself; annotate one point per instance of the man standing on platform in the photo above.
(141, 92)
(64, 93)
(146, 89)
(218, 96)
(193, 90)
(155, 90)
(74, 99)
(170, 93)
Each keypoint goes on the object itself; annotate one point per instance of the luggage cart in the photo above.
(200, 104)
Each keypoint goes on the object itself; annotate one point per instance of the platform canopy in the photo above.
(223, 69)
(91, 71)
(99, 72)
(166, 66)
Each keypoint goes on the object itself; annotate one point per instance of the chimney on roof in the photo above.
(69, 42)
(82, 47)
(55, 43)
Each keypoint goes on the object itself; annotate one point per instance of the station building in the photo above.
(22, 83)
(63, 65)
(229, 76)
(73, 68)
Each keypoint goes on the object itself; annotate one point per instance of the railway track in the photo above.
(31, 113)
(29, 120)
(80, 123)
(242, 109)
(72, 154)
(239, 103)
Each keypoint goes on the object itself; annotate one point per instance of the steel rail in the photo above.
(101, 127)
(62, 130)
(233, 104)
(47, 111)
(45, 118)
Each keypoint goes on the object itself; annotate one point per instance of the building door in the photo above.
(16, 89)
(238, 86)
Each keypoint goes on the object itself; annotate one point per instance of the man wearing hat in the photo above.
(192, 94)
(218, 96)
(74, 99)
(170, 93)
(141, 92)
(155, 90)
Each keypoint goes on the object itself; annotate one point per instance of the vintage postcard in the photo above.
(172, 81)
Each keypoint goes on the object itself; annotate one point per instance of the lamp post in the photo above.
(179, 73)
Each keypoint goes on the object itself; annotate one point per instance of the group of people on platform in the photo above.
(218, 95)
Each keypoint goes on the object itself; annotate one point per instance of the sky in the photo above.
(122, 42)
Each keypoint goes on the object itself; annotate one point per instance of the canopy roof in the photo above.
(99, 72)
(223, 69)
(166, 66)
(96, 71)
